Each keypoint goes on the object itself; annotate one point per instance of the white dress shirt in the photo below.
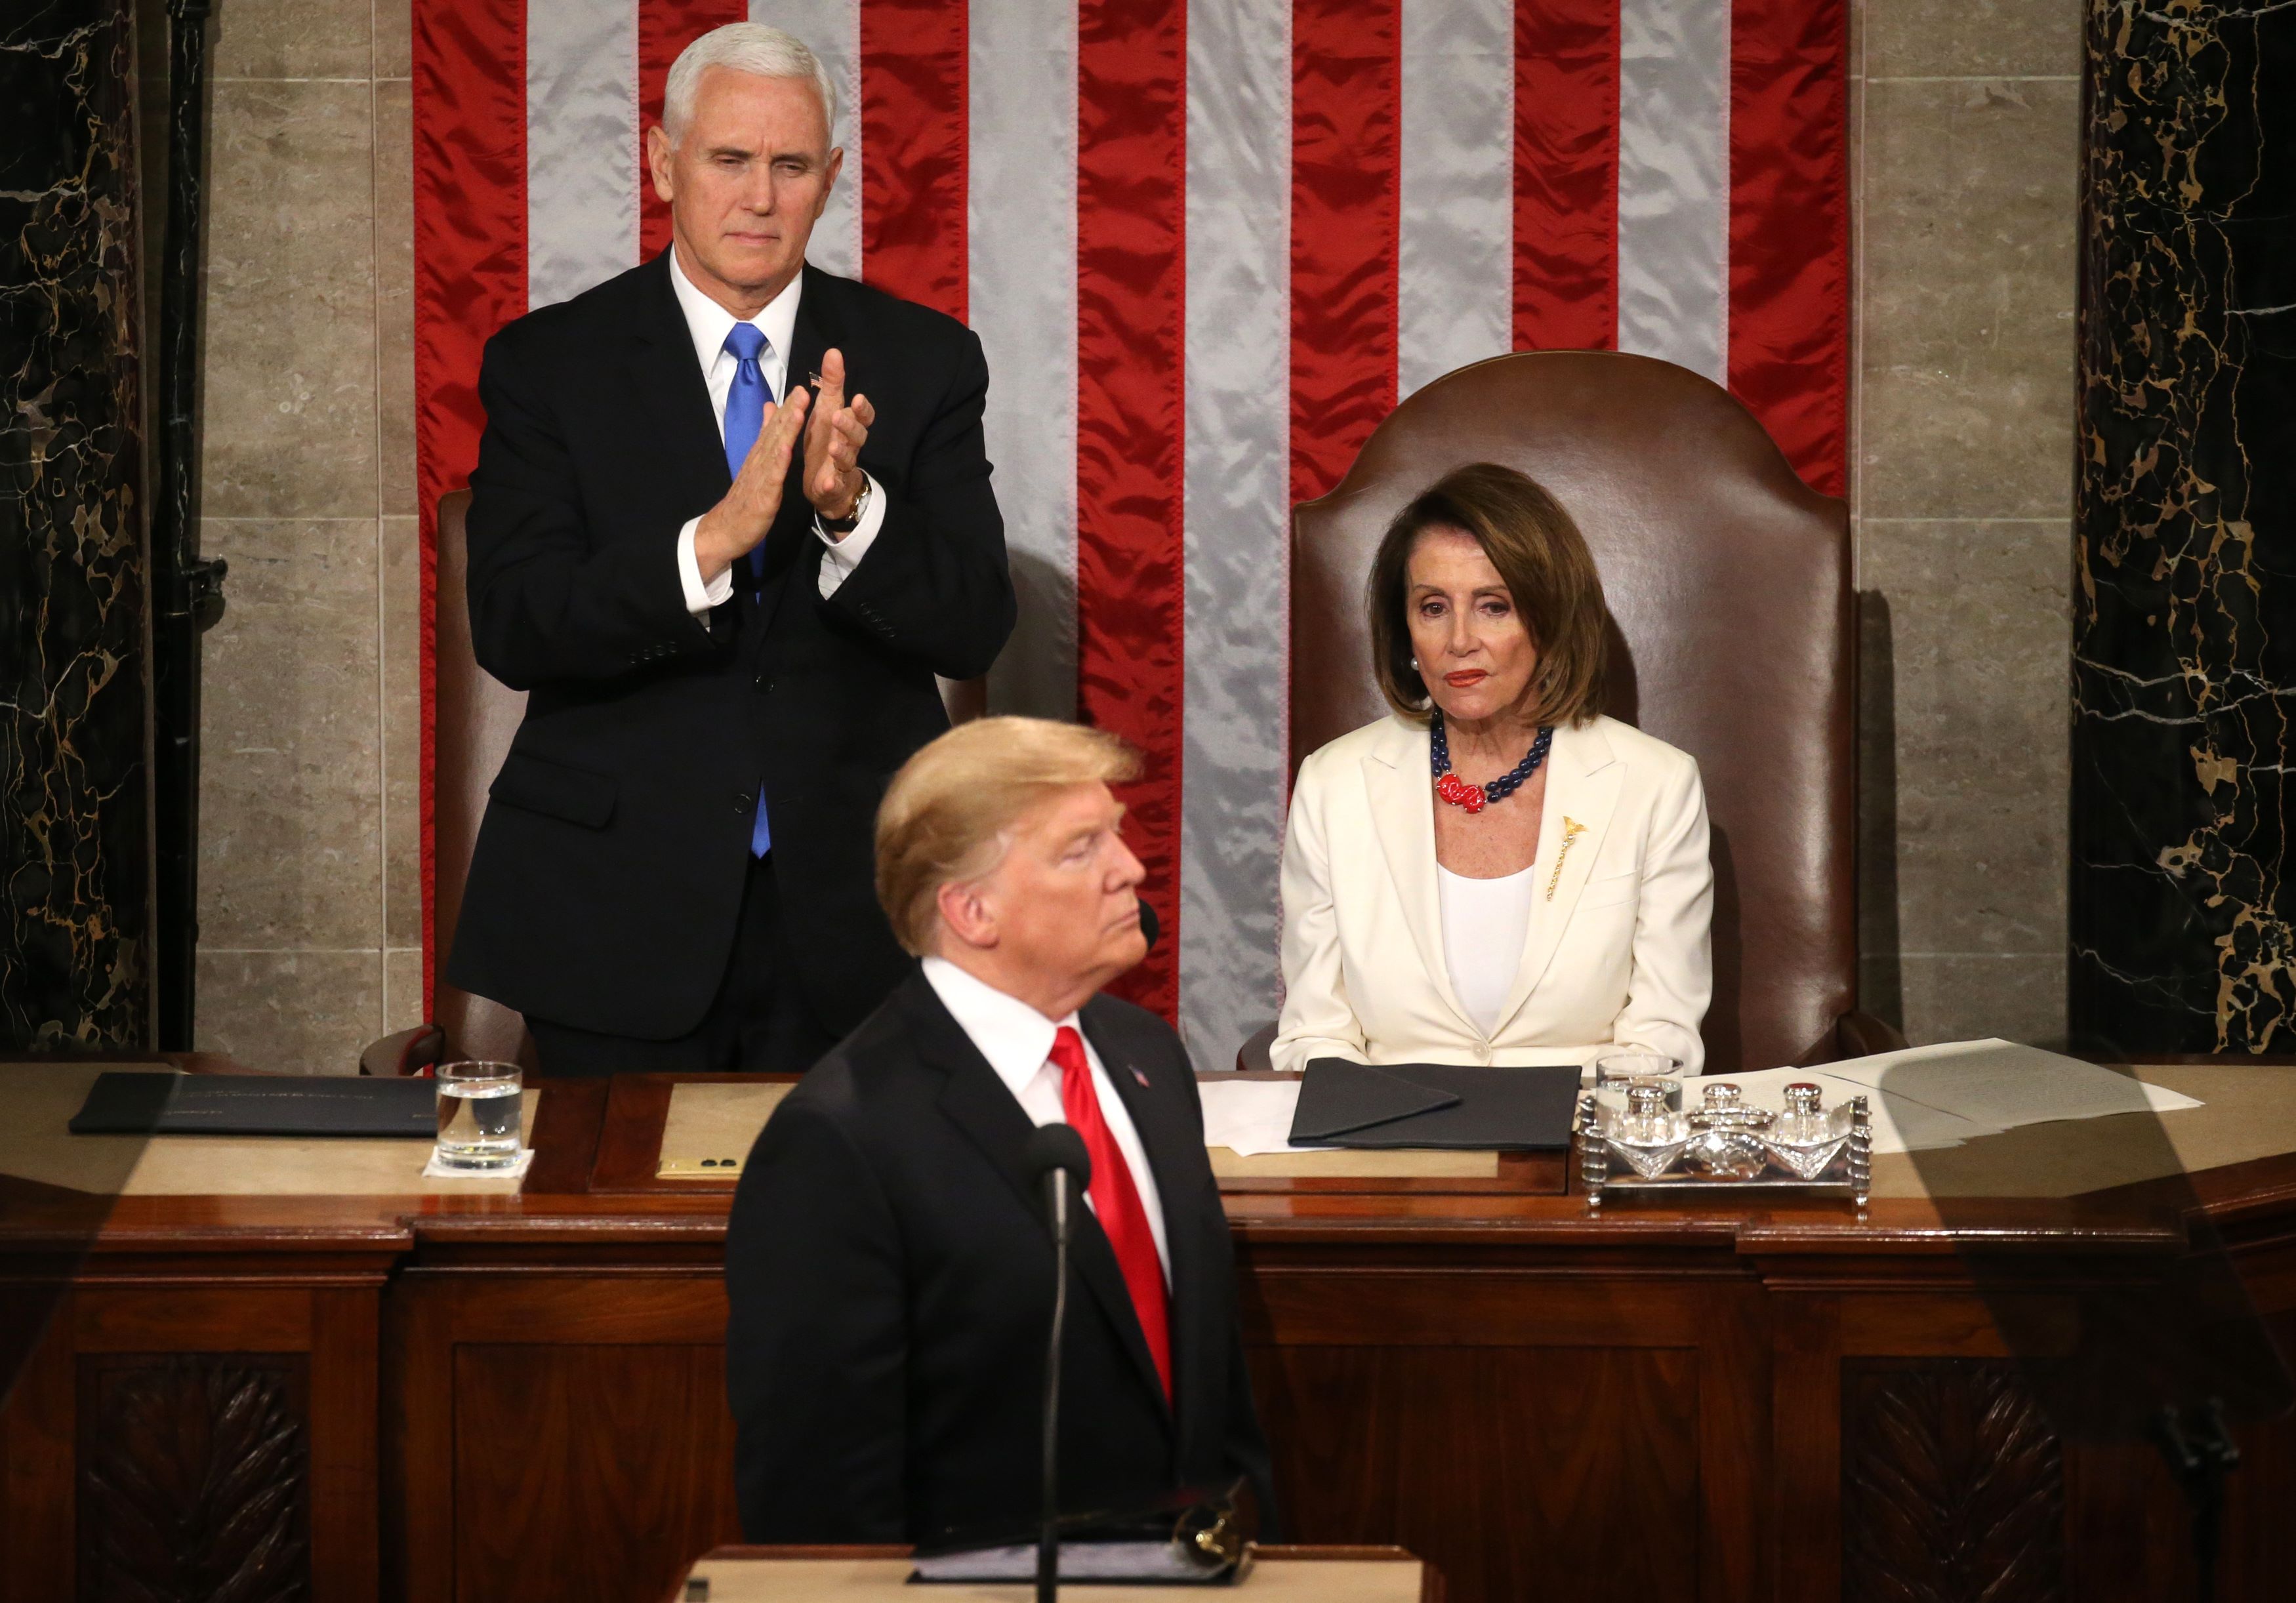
(709, 323)
(1017, 1040)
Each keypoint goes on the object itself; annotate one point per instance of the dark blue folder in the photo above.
(129, 1103)
(1441, 1105)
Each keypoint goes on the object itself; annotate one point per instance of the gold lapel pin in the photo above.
(1571, 831)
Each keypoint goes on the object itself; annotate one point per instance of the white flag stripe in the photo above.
(581, 145)
(1021, 284)
(832, 30)
(1455, 293)
(1237, 517)
(1674, 181)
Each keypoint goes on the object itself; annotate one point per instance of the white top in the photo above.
(1017, 1040)
(710, 323)
(1485, 923)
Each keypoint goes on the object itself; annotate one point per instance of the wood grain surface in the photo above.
(521, 1392)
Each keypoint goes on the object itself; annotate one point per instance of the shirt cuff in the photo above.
(700, 598)
(841, 557)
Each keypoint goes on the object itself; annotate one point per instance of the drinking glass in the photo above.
(1615, 1071)
(479, 1105)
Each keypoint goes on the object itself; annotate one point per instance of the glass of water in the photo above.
(479, 1105)
(1615, 1071)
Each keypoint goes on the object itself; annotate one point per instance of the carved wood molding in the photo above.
(195, 1482)
(1953, 1485)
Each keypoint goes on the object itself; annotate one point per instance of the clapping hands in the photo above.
(833, 441)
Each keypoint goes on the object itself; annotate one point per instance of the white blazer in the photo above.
(1619, 949)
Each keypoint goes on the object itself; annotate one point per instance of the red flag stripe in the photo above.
(913, 136)
(469, 278)
(1346, 133)
(1131, 254)
(1789, 228)
(1566, 174)
(666, 27)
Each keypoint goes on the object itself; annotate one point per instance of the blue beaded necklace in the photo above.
(1474, 799)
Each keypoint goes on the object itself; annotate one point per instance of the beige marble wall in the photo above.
(1966, 119)
(310, 913)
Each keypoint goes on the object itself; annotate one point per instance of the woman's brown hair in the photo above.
(1546, 568)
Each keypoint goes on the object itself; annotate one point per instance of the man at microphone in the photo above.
(889, 1265)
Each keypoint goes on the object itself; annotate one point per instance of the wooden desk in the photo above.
(1279, 1574)
(498, 1394)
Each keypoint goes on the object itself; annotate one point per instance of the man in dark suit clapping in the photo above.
(887, 1264)
(728, 596)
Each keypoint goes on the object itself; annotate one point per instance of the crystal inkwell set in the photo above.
(1644, 1145)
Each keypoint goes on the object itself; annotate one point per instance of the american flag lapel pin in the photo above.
(1138, 1078)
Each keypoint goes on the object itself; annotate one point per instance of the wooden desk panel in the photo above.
(1710, 1405)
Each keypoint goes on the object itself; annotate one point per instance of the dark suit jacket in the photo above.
(607, 878)
(889, 1271)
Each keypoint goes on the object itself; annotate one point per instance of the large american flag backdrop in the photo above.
(1207, 245)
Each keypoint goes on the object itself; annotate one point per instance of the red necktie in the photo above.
(1116, 1203)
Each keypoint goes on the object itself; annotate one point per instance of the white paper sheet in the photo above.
(2001, 1084)
(1251, 1117)
(1899, 1124)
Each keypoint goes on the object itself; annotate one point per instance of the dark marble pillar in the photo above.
(75, 857)
(2185, 575)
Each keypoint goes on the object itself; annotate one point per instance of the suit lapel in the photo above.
(1582, 791)
(979, 1104)
(670, 397)
(974, 1099)
(1166, 1137)
(1397, 780)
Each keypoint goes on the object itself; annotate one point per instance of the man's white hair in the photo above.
(751, 47)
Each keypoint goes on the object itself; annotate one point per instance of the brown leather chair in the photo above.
(1729, 582)
(477, 715)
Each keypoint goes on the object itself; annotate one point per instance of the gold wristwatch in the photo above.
(852, 521)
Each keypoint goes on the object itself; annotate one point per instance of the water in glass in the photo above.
(478, 1108)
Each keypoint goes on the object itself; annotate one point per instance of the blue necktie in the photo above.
(745, 415)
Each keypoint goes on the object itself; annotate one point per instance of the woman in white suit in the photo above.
(1494, 873)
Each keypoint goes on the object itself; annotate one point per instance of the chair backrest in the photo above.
(1728, 583)
(476, 716)
(477, 713)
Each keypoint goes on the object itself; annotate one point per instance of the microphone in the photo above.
(1057, 1156)
(1149, 924)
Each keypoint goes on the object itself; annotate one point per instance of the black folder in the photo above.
(126, 1102)
(1469, 1109)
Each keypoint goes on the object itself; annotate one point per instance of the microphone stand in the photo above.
(1048, 1538)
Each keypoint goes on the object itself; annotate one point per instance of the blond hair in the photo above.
(949, 812)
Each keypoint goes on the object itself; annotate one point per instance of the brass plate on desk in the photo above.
(767, 1580)
(712, 1128)
(1399, 1163)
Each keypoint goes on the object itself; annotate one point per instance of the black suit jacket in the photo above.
(889, 1271)
(607, 878)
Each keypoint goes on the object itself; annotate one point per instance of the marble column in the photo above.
(75, 857)
(2182, 911)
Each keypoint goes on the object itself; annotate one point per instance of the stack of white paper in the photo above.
(1250, 1117)
(1899, 1124)
(1943, 1095)
(2001, 1084)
